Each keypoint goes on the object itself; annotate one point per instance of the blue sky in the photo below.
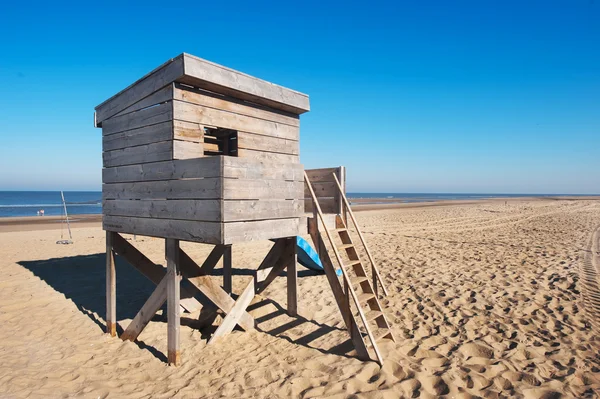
(411, 96)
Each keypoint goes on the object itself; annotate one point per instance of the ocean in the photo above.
(28, 203)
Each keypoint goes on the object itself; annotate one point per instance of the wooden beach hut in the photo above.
(195, 151)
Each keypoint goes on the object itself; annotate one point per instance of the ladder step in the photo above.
(338, 230)
(373, 314)
(363, 298)
(345, 246)
(382, 333)
(354, 262)
(358, 280)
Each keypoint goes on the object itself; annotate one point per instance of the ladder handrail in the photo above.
(344, 274)
(362, 239)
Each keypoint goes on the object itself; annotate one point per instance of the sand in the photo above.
(485, 300)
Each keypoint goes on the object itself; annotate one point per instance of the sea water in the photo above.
(28, 203)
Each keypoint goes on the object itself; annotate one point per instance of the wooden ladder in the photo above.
(357, 285)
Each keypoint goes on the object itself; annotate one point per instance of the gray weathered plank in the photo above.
(233, 316)
(260, 142)
(322, 175)
(206, 232)
(111, 286)
(161, 151)
(173, 278)
(213, 100)
(323, 189)
(242, 210)
(187, 149)
(328, 205)
(142, 88)
(272, 157)
(200, 210)
(292, 278)
(246, 168)
(147, 312)
(260, 230)
(145, 117)
(158, 97)
(213, 117)
(209, 188)
(178, 169)
(144, 135)
(214, 77)
(261, 189)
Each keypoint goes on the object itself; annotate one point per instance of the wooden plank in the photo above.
(150, 270)
(239, 189)
(148, 116)
(328, 205)
(220, 79)
(235, 314)
(323, 189)
(258, 142)
(111, 286)
(188, 131)
(292, 278)
(260, 230)
(143, 135)
(187, 149)
(145, 86)
(188, 112)
(227, 269)
(168, 170)
(158, 97)
(221, 299)
(321, 175)
(209, 188)
(200, 210)
(246, 168)
(271, 265)
(173, 278)
(187, 230)
(154, 152)
(190, 269)
(231, 104)
(273, 157)
(244, 210)
(147, 312)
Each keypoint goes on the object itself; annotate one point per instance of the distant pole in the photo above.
(66, 214)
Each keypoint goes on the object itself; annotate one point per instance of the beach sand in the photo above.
(485, 300)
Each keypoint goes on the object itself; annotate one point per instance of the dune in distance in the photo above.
(486, 299)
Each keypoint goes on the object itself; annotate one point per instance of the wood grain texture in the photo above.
(245, 168)
(272, 157)
(220, 79)
(263, 143)
(143, 135)
(158, 97)
(213, 117)
(292, 278)
(231, 104)
(260, 230)
(244, 210)
(173, 278)
(188, 131)
(236, 189)
(200, 210)
(145, 117)
(142, 88)
(234, 315)
(111, 286)
(177, 169)
(206, 232)
(187, 149)
(154, 152)
(147, 312)
(209, 188)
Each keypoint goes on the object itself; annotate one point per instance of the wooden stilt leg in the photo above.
(111, 287)
(173, 277)
(292, 279)
(227, 270)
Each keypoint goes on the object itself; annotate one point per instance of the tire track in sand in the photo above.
(589, 274)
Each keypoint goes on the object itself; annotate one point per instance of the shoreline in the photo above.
(33, 223)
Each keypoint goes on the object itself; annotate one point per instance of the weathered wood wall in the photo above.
(325, 189)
